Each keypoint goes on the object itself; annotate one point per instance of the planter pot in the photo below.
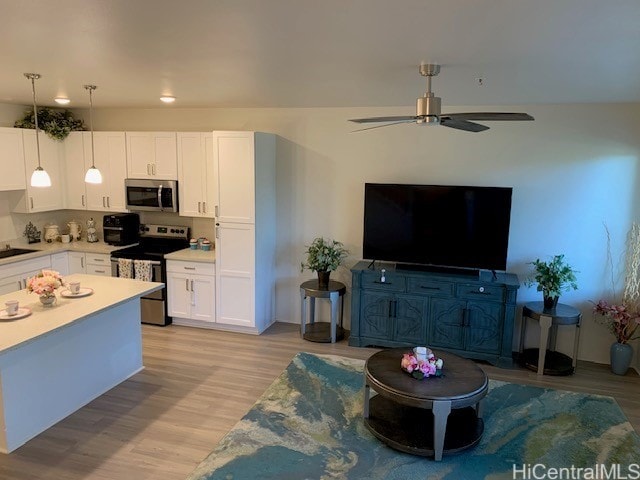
(323, 279)
(47, 300)
(621, 355)
(550, 302)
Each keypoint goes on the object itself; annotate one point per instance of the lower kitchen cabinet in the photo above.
(471, 316)
(91, 263)
(191, 292)
(15, 275)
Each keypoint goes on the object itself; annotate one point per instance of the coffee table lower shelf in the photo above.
(410, 429)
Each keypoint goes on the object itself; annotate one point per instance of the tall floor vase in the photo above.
(621, 355)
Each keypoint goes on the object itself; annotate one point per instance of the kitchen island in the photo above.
(59, 358)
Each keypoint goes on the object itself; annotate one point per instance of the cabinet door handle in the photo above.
(108, 202)
(382, 283)
(19, 285)
(424, 287)
(189, 268)
(186, 284)
(148, 169)
(465, 315)
(81, 262)
(103, 203)
(217, 232)
(31, 199)
(83, 201)
(153, 168)
(100, 271)
(204, 207)
(199, 204)
(192, 285)
(215, 210)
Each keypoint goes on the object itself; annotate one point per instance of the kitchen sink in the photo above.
(12, 252)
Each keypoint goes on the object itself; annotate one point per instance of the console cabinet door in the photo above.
(409, 320)
(483, 331)
(447, 320)
(375, 317)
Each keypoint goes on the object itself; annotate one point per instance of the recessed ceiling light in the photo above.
(167, 99)
(62, 100)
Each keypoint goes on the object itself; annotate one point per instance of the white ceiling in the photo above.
(315, 53)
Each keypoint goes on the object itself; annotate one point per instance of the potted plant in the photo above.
(55, 123)
(622, 321)
(324, 256)
(552, 278)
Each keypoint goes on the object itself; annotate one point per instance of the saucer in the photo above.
(84, 291)
(22, 312)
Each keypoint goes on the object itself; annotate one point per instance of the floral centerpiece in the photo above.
(619, 319)
(45, 284)
(422, 363)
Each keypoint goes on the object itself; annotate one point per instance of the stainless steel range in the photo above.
(155, 242)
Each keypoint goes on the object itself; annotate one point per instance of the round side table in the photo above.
(540, 359)
(321, 331)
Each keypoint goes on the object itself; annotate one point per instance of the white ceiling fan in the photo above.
(428, 111)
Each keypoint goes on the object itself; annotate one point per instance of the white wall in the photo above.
(573, 169)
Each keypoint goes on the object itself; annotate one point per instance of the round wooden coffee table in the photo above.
(424, 417)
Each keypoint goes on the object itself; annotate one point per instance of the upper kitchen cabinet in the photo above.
(110, 158)
(234, 157)
(152, 155)
(196, 186)
(37, 199)
(110, 153)
(12, 160)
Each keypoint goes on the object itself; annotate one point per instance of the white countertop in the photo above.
(188, 255)
(107, 292)
(44, 248)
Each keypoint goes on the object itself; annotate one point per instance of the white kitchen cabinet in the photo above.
(152, 155)
(244, 164)
(91, 263)
(14, 276)
(75, 192)
(12, 159)
(191, 291)
(98, 264)
(60, 263)
(77, 263)
(38, 199)
(110, 158)
(234, 166)
(196, 184)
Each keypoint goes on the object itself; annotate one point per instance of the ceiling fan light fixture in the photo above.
(39, 177)
(93, 175)
(62, 100)
(167, 99)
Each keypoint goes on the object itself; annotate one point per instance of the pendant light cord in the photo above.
(91, 88)
(33, 77)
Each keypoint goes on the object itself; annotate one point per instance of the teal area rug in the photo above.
(308, 425)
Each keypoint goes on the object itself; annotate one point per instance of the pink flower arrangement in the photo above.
(420, 368)
(621, 321)
(45, 283)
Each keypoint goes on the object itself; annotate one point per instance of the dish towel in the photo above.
(142, 270)
(125, 268)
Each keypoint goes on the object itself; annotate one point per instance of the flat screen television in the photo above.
(464, 227)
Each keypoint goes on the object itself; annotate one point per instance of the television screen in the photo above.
(450, 226)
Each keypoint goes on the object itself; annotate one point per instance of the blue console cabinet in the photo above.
(471, 316)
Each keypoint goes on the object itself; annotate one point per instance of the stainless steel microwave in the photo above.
(151, 195)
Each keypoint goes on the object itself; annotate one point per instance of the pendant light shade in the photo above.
(93, 175)
(39, 177)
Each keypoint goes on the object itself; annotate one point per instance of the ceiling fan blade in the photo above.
(462, 125)
(380, 126)
(402, 118)
(490, 116)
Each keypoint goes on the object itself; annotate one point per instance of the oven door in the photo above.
(152, 195)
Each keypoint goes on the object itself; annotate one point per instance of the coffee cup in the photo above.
(12, 307)
(74, 287)
(66, 238)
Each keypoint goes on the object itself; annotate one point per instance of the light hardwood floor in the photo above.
(197, 384)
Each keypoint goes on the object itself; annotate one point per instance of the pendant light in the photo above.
(93, 175)
(39, 177)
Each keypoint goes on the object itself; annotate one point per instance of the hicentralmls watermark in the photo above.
(540, 471)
